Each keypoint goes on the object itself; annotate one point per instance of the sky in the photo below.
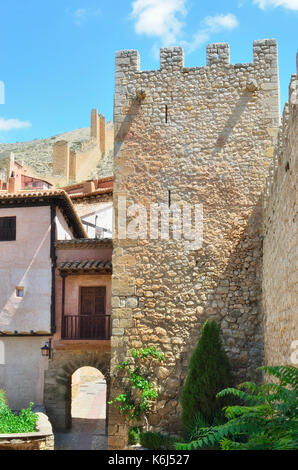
(57, 56)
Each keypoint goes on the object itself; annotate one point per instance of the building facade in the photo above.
(30, 224)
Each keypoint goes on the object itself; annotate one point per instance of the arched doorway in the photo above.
(87, 412)
(88, 399)
(62, 401)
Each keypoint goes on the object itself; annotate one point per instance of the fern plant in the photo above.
(267, 420)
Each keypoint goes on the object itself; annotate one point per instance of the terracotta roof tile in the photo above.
(84, 243)
(98, 192)
(60, 196)
(86, 266)
(97, 183)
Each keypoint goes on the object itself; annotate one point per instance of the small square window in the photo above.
(20, 291)
(7, 229)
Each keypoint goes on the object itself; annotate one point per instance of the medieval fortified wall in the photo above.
(280, 253)
(76, 162)
(199, 135)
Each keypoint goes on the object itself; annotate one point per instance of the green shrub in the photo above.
(3, 398)
(199, 422)
(10, 422)
(134, 435)
(268, 420)
(140, 391)
(209, 372)
(156, 440)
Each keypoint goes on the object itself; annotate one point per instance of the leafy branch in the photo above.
(136, 401)
(268, 419)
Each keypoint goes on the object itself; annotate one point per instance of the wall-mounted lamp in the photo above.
(46, 349)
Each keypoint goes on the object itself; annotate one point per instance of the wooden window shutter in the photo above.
(7, 228)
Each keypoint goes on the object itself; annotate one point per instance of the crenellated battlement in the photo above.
(218, 53)
(164, 90)
(172, 58)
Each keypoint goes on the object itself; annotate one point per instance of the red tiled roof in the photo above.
(97, 183)
(98, 192)
(86, 266)
(48, 195)
(84, 243)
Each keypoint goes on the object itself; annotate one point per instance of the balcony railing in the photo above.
(86, 327)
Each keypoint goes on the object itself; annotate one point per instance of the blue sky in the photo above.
(57, 56)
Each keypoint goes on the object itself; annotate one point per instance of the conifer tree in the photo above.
(209, 372)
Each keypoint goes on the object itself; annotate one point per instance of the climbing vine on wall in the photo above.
(140, 391)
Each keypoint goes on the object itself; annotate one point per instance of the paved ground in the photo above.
(88, 420)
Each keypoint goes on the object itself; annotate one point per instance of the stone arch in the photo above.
(57, 387)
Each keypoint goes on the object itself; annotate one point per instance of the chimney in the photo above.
(12, 184)
(88, 187)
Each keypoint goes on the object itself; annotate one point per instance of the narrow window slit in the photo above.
(166, 113)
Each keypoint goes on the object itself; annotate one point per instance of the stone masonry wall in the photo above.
(199, 135)
(67, 359)
(280, 257)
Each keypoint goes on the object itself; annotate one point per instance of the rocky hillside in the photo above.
(38, 153)
(104, 168)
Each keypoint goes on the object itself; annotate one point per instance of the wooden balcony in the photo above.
(86, 327)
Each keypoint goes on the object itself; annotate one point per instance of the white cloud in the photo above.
(209, 25)
(219, 22)
(288, 4)
(81, 15)
(12, 124)
(163, 19)
(159, 18)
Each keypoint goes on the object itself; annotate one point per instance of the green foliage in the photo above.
(267, 420)
(11, 423)
(155, 440)
(134, 435)
(140, 392)
(199, 423)
(209, 372)
(3, 398)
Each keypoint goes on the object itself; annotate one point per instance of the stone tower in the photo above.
(199, 135)
(98, 129)
(61, 159)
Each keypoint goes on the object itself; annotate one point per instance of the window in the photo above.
(20, 291)
(7, 229)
